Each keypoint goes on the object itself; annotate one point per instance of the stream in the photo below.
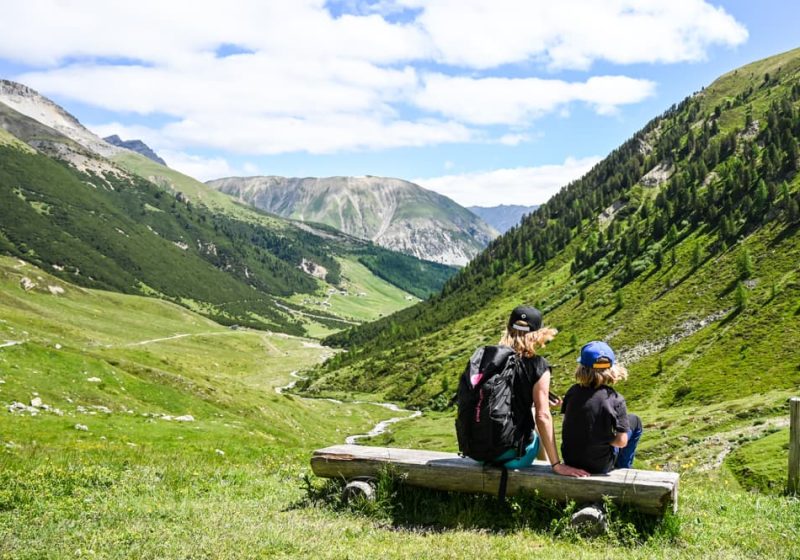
(380, 428)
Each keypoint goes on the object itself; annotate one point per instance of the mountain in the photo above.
(680, 249)
(135, 146)
(393, 213)
(28, 102)
(116, 222)
(503, 217)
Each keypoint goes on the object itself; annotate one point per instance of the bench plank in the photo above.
(648, 491)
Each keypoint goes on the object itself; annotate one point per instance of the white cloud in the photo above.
(487, 101)
(321, 135)
(202, 168)
(574, 33)
(159, 32)
(308, 81)
(519, 185)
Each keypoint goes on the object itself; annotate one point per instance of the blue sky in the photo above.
(489, 102)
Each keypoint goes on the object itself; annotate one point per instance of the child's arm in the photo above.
(620, 423)
(621, 440)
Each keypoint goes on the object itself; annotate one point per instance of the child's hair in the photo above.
(594, 377)
(527, 343)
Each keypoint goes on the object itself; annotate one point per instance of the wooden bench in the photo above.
(652, 492)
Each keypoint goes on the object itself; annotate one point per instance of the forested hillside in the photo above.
(680, 248)
(133, 228)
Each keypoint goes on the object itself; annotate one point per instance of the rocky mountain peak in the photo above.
(136, 146)
(393, 213)
(30, 103)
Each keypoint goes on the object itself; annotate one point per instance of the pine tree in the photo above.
(741, 296)
(744, 264)
(619, 300)
(697, 255)
(793, 210)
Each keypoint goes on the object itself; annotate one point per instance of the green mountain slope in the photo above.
(414, 276)
(126, 228)
(681, 248)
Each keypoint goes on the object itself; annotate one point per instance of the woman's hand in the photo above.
(566, 470)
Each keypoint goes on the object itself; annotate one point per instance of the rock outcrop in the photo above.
(136, 146)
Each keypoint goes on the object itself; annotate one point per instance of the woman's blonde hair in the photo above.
(527, 343)
(594, 377)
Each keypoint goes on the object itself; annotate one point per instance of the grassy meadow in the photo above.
(104, 465)
(234, 482)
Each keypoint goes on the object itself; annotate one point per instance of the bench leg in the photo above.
(590, 520)
(359, 489)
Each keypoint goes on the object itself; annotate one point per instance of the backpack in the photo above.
(485, 424)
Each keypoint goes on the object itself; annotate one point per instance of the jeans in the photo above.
(511, 461)
(626, 454)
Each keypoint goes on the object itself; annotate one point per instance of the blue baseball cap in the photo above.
(597, 354)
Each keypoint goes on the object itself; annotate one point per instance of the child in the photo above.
(598, 434)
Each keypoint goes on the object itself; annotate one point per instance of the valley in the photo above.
(170, 357)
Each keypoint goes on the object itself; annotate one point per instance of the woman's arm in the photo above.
(544, 424)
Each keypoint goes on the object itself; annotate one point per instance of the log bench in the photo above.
(652, 492)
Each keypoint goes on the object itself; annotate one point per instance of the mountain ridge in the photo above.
(393, 213)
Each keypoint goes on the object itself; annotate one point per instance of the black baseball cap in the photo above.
(525, 319)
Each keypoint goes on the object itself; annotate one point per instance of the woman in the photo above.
(525, 335)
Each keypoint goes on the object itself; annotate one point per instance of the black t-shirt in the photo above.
(592, 419)
(529, 374)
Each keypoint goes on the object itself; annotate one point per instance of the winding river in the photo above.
(380, 428)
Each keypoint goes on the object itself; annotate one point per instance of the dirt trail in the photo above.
(708, 453)
(380, 428)
(174, 337)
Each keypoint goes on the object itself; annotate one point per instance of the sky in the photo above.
(488, 102)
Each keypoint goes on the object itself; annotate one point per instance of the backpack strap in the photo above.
(501, 493)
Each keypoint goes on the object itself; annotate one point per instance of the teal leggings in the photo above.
(514, 462)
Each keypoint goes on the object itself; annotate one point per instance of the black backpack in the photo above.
(485, 424)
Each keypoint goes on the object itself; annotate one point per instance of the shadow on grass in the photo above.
(729, 288)
(788, 232)
(730, 316)
(406, 508)
(613, 312)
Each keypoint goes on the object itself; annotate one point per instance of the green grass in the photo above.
(138, 486)
(8, 139)
(761, 464)
(85, 352)
(380, 299)
(194, 189)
